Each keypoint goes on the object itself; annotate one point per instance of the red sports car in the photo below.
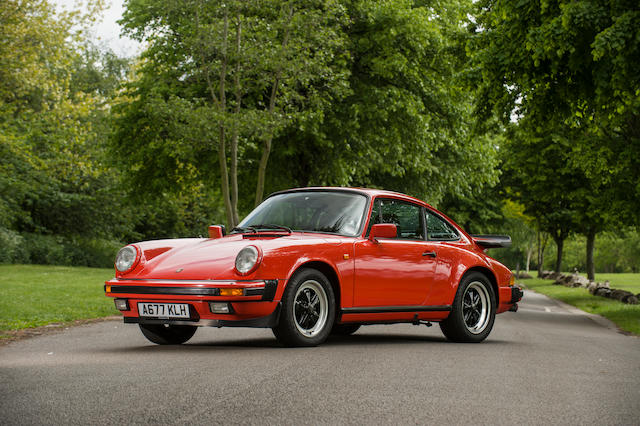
(312, 262)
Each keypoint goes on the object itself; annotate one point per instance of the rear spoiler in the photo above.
(492, 241)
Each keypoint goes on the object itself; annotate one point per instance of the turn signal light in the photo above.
(512, 280)
(231, 292)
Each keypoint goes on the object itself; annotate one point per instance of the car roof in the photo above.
(373, 193)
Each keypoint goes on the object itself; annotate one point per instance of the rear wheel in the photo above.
(473, 312)
(308, 310)
(167, 334)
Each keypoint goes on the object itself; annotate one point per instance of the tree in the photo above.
(539, 175)
(566, 67)
(406, 122)
(54, 178)
(382, 103)
(234, 72)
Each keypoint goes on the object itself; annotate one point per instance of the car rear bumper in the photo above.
(509, 298)
(516, 294)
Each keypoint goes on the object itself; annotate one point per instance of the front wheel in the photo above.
(473, 312)
(166, 334)
(308, 310)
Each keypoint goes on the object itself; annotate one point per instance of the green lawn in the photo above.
(36, 295)
(627, 317)
(629, 282)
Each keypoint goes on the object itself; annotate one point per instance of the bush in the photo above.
(13, 248)
(57, 250)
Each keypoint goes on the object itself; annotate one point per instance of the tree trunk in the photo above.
(266, 148)
(262, 169)
(234, 137)
(560, 244)
(220, 103)
(591, 242)
(222, 148)
(542, 242)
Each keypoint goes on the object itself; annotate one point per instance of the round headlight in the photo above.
(125, 258)
(247, 259)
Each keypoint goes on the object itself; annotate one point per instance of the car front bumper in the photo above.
(253, 303)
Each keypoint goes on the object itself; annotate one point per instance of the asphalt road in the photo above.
(545, 364)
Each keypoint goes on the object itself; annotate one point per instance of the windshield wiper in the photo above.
(271, 226)
(244, 229)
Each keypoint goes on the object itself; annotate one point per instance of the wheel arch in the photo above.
(490, 276)
(328, 272)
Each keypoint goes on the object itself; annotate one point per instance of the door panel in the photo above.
(393, 272)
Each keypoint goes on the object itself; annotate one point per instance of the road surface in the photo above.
(545, 364)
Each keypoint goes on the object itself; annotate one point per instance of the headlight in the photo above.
(126, 258)
(247, 260)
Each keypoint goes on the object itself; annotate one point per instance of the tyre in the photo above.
(166, 334)
(308, 310)
(344, 329)
(473, 311)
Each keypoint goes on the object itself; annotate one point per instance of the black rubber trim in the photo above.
(385, 309)
(516, 294)
(270, 288)
(268, 321)
(187, 291)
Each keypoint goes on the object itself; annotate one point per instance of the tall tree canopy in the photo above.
(54, 176)
(337, 93)
(406, 122)
(221, 79)
(567, 68)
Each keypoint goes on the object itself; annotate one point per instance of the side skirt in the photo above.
(394, 309)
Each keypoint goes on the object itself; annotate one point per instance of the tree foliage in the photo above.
(234, 74)
(563, 69)
(367, 94)
(54, 176)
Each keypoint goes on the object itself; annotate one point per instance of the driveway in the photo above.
(547, 363)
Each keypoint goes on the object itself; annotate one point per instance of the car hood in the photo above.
(214, 259)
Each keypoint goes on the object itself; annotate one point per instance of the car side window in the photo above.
(406, 216)
(439, 230)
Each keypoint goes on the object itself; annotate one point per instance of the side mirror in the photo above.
(383, 230)
(216, 231)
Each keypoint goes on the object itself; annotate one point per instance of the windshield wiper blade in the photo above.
(272, 226)
(241, 229)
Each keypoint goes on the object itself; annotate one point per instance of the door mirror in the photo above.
(216, 231)
(383, 230)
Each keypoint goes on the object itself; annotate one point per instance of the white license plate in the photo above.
(163, 310)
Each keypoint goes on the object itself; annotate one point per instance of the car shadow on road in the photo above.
(356, 340)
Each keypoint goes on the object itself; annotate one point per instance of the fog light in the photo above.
(121, 304)
(231, 292)
(220, 308)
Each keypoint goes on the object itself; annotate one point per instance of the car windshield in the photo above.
(332, 212)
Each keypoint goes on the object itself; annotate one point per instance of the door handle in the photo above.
(430, 254)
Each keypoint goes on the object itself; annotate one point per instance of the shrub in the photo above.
(12, 247)
(57, 250)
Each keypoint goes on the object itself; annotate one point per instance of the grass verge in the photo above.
(629, 282)
(627, 317)
(38, 295)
